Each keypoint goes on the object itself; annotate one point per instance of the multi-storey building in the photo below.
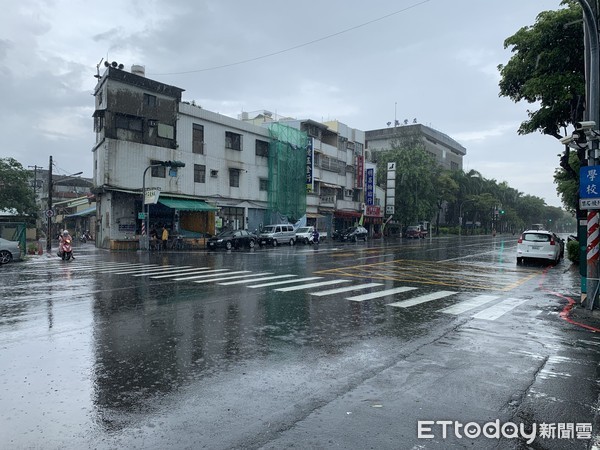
(237, 174)
(335, 171)
(446, 151)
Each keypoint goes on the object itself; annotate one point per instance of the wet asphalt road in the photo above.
(344, 346)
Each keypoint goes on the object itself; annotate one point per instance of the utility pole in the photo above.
(49, 211)
(38, 222)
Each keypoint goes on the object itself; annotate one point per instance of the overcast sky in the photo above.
(362, 63)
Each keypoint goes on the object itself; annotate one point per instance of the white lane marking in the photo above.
(146, 270)
(193, 271)
(233, 277)
(101, 266)
(212, 274)
(499, 309)
(159, 271)
(372, 295)
(275, 283)
(356, 287)
(422, 299)
(469, 304)
(311, 285)
(138, 269)
(275, 277)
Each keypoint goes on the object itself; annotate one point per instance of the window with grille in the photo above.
(262, 148)
(234, 177)
(149, 100)
(159, 172)
(233, 141)
(198, 139)
(199, 173)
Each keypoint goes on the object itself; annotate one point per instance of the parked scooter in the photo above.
(65, 250)
(85, 237)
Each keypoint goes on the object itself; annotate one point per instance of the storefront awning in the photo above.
(85, 212)
(187, 205)
(342, 213)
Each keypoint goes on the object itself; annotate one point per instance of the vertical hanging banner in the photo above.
(360, 170)
(370, 187)
(310, 165)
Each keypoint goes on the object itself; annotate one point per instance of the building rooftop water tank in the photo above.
(137, 69)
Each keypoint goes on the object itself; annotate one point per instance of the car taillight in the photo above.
(552, 242)
(520, 241)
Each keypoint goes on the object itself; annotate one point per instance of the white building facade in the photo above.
(227, 180)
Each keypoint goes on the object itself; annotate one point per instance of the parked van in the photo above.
(274, 235)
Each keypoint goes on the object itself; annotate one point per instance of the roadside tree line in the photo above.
(427, 192)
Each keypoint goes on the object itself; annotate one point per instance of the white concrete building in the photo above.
(234, 174)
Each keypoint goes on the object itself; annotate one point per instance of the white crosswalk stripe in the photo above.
(228, 277)
(387, 292)
(168, 271)
(276, 283)
(252, 280)
(356, 287)
(158, 271)
(499, 309)
(194, 271)
(211, 273)
(422, 299)
(470, 304)
(311, 285)
(274, 277)
(140, 268)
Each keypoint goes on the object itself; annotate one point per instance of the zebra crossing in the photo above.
(483, 307)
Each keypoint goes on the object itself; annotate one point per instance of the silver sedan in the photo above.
(9, 251)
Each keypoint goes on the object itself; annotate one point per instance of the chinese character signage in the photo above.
(589, 187)
(310, 181)
(360, 170)
(370, 187)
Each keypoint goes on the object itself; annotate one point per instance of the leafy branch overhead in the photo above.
(15, 192)
(547, 69)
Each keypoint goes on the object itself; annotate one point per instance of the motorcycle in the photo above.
(85, 237)
(314, 237)
(65, 251)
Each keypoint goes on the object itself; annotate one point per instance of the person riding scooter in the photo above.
(64, 243)
(315, 236)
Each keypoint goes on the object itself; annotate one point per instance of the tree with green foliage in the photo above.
(15, 192)
(447, 189)
(416, 180)
(548, 68)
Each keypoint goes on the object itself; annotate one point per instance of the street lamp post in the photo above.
(146, 210)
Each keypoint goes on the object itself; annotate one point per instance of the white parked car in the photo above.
(538, 245)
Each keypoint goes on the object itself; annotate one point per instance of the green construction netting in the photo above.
(287, 173)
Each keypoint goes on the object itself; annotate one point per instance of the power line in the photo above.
(295, 47)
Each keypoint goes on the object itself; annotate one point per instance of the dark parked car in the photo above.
(415, 232)
(354, 234)
(9, 251)
(232, 239)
